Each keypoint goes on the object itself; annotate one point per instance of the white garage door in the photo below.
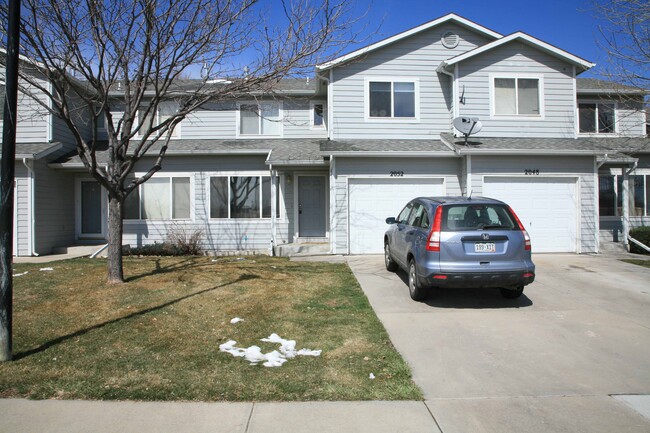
(547, 207)
(374, 200)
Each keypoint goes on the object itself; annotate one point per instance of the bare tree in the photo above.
(624, 36)
(131, 57)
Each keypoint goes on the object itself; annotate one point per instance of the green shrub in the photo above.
(641, 234)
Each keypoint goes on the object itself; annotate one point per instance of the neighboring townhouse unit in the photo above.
(324, 161)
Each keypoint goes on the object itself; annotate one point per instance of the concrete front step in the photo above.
(303, 249)
(79, 250)
(612, 247)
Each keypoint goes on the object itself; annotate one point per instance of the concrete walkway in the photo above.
(556, 360)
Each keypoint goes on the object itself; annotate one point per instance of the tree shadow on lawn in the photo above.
(182, 265)
(469, 298)
(64, 338)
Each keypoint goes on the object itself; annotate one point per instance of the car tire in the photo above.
(391, 265)
(512, 293)
(417, 292)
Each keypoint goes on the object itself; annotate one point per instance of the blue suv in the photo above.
(459, 242)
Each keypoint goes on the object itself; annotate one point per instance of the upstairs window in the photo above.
(517, 96)
(596, 118)
(318, 115)
(392, 99)
(152, 118)
(260, 119)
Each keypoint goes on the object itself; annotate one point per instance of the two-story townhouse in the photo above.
(322, 162)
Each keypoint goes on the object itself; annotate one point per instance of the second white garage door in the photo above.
(374, 200)
(547, 207)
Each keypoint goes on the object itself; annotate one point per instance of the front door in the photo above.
(91, 221)
(311, 206)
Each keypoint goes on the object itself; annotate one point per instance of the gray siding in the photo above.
(297, 120)
(22, 213)
(32, 125)
(55, 208)
(631, 118)
(516, 58)
(80, 117)
(570, 166)
(417, 56)
(218, 235)
(447, 168)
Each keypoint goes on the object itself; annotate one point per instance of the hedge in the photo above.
(641, 234)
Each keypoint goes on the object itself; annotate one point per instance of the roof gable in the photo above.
(405, 34)
(527, 39)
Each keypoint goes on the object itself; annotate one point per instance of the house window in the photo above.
(610, 197)
(318, 113)
(151, 118)
(159, 198)
(596, 118)
(260, 119)
(392, 99)
(241, 197)
(517, 96)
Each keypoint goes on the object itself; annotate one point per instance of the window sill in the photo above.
(516, 117)
(162, 220)
(393, 119)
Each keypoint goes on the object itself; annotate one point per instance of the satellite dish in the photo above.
(467, 125)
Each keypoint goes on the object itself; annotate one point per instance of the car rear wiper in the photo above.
(496, 226)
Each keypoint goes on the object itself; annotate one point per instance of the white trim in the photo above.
(330, 105)
(259, 103)
(392, 80)
(517, 76)
(15, 239)
(254, 173)
(526, 38)
(49, 116)
(312, 107)
(574, 87)
(455, 102)
(597, 204)
(449, 17)
(468, 173)
(575, 178)
(163, 175)
(332, 206)
(78, 205)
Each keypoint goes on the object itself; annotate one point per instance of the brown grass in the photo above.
(156, 337)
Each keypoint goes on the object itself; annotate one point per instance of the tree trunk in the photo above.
(115, 271)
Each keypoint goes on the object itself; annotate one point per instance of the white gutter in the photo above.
(530, 152)
(330, 102)
(454, 91)
(388, 154)
(274, 192)
(32, 222)
(603, 161)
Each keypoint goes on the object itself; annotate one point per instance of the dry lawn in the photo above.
(157, 336)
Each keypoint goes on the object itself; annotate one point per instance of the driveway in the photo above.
(549, 361)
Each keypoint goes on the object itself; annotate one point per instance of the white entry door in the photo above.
(548, 208)
(374, 200)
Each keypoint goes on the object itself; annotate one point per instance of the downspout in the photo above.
(32, 222)
(274, 191)
(441, 69)
(330, 102)
(626, 204)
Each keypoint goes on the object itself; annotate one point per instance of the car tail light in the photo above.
(528, 275)
(439, 277)
(523, 230)
(433, 243)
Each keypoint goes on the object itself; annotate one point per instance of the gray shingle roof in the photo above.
(31, 150)
(593, 85)
(376, 146)
(551, 146)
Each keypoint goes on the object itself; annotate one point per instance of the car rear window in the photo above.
(463, 217)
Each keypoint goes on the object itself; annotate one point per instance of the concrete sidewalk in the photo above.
(54, 416)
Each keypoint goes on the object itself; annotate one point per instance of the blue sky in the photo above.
(569, 24)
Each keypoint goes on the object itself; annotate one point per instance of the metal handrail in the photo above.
(641, 244)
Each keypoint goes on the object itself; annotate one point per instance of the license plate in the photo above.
(485, 247)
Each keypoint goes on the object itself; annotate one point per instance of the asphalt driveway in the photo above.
(549, 361)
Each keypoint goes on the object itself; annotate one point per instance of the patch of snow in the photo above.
(275, 358)
(21, 274)
(236, 320)
(371, 376)
(47, 269)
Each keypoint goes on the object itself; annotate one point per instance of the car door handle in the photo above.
(410, 232)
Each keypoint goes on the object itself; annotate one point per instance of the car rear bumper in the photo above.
(480, 279)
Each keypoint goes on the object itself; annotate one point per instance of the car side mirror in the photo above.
(390, 220)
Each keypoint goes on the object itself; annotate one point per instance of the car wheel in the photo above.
(417, 292)
(512, 293)
(391, 265)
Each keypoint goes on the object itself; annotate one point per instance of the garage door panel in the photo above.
(547, 207)
(374, 200)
